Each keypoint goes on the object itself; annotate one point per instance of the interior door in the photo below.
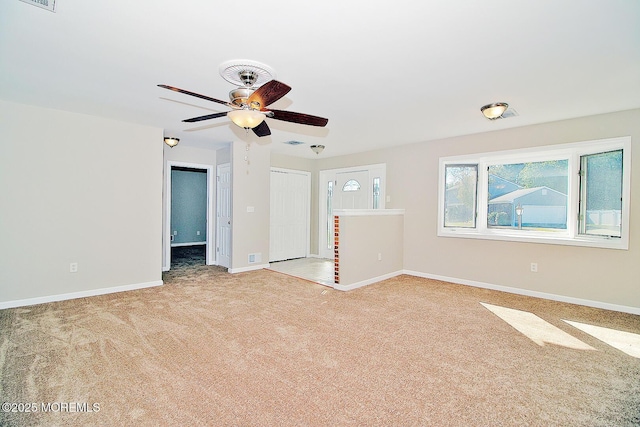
(289, 214)
(223, 230)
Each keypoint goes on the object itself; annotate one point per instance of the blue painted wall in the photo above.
(188, 206)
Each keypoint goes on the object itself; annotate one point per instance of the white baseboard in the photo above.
(80, 294)
(250, 268)
(527, 292)
(367, 282)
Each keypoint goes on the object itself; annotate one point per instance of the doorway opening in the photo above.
(188, 229)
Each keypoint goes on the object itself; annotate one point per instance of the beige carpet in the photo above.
(266, 349)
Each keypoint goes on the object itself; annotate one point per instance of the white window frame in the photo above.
(572, 153)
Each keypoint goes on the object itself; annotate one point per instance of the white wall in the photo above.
(370, 246)
(251, 189)
(77, 188)
(602, 275)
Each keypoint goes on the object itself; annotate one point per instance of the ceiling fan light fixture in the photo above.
(246, 118)
(494, 111)
(171, 141)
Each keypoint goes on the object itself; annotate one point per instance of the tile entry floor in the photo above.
(317, 270)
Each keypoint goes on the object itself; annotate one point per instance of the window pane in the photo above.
(460, 195)
(351, 185)
(376, 193)
(601, 194)
(530, 196)
(329, 215)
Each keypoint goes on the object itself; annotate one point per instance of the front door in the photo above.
(350, 188)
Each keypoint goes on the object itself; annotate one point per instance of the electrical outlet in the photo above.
(73, 267)
(534, 267)
(379, 256)
(198, 233)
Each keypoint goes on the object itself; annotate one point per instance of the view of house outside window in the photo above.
(528, 195)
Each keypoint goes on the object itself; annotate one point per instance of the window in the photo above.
(376, 193)
(351, 185)
(573, 194)
(329, 228)
(601, 194)
(460, 195)
(528, 196)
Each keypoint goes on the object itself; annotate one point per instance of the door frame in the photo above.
(209, 259)
(375, 170)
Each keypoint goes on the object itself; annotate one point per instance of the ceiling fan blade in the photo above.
(268, 93)
(207, 117)
(262, 129)
(290, 116)
(197, 95)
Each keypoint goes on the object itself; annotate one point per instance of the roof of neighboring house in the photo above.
(510, 197)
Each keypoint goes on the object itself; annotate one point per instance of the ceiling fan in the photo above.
(250, 105)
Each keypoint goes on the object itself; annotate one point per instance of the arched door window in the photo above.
(351, 185)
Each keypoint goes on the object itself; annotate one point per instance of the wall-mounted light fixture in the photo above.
(495, 110)
(317, 148)
(171, 141)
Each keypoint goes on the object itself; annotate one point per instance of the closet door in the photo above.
(289, 214)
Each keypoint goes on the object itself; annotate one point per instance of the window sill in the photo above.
(536, 237)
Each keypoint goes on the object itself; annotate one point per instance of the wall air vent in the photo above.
(294, 142)
(50, 5)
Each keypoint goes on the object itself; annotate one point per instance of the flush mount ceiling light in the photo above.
(317, 148)
(171, 141)
(494, 111)
(246, 118)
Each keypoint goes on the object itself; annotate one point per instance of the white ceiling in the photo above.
(384, 73)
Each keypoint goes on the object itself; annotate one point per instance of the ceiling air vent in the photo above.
(509, 113)
(50, 5)
(294, 142)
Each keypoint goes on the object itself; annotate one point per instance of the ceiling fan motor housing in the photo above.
(247, 77)
(240, 96)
